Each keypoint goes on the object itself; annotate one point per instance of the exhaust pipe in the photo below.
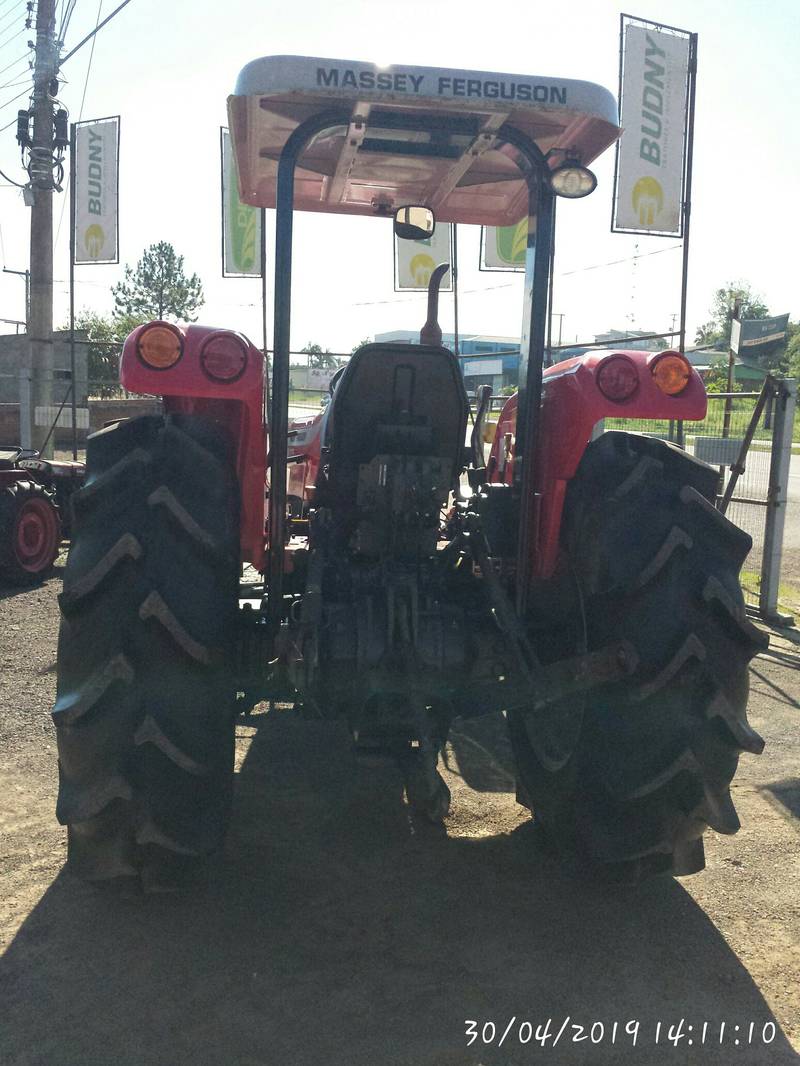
(431, 332)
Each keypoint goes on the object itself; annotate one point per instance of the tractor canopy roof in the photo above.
(409, 135)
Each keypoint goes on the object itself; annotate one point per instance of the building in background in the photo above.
(612, 338)
(489, 360)
(485, 360)
(14, 357)
(746, 373)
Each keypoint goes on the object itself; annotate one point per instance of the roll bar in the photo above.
(533, 165)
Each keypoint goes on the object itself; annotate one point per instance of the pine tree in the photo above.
(158, 287)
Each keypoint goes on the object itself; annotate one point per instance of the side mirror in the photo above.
(415, 223)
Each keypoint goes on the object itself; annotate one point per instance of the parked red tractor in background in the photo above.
(34, 512)
(587, 589)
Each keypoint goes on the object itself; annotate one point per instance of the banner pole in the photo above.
(263, 257)
(455, 288)
(687, 199)
(687, 203)
(72, 172)
(550, 283)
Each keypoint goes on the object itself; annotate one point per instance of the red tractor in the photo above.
(587, 588)
(34, 512)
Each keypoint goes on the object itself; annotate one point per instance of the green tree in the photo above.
(361, 343)
(793, 351)
(319, 359)
(716, 380)
(717, 331)
(108, 335)
(159, 287)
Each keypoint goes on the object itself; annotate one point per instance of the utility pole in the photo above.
(40, 318)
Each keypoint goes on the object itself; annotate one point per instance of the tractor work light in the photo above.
(223, 357)
(572, 180)
(671, 372)
(160, 346)
(617, 378)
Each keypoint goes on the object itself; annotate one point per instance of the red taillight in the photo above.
(671, 373)
(224, 357)
(617, 378)
(160, 346)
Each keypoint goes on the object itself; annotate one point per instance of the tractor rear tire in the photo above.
(30, 532)
(650, 767)
(145, 700)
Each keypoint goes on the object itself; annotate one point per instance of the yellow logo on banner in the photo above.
(648, 199)
(421, 267)
(94, 240)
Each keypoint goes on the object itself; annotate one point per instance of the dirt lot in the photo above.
(339, 930)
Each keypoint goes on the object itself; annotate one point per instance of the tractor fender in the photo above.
(306, 435)
(572, 405)
(235, 405)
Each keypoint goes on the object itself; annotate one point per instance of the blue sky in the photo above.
(167, 68)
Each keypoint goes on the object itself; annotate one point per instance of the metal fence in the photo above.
(759, 497)
(717, 443)
(758, 503)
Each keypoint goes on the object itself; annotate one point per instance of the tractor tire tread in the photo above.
(143, 712)
(658, 567)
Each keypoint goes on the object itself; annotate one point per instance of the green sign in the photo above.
(504, 247)
(241, 224)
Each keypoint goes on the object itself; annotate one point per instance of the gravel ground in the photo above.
(338, 929)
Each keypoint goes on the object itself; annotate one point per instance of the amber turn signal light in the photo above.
(160, 346)
(671, 373)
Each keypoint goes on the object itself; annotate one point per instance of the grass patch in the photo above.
(305, 397)
(710, 426)
(788, 593)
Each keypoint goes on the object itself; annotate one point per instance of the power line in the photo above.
(510, 284)
(67, 8)
(25, 92)
(13, 11)
(616, 262)
(11, 180)
(14, 63)
(8, 40)
(80, 116)
(8, 125)
(91, 57)
(89, 36)
(14, 84)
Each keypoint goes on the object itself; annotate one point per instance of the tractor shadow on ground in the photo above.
(775, 691)
(8, 591)
(339, 929)
(787, 794)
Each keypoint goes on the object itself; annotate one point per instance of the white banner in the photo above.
(650, 153)
(415, 261)
(241, 223)
(320, 377)
(96, 191)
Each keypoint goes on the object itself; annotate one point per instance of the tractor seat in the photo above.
(394, 399)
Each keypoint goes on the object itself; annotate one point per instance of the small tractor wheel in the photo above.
(145, 699)
(650, 763)
(30, 532)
